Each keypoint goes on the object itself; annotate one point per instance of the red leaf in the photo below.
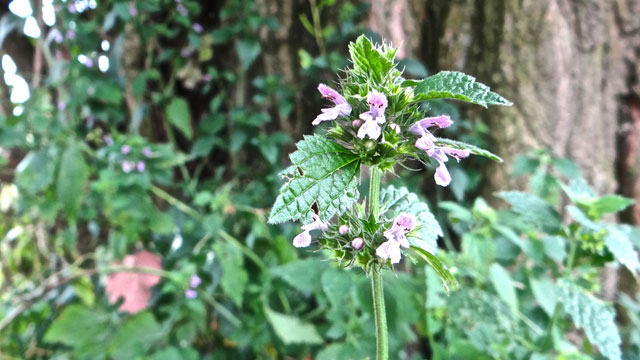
(135, 288)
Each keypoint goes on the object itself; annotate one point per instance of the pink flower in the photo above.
(146, 151)
(357, 243)
(341, 108)
(304, 238)
(396, 238)
(125, 149)
(195, 281)
(343, 229)
(71, 35)
(140, 166)
(427, 143)
(190, 294)
(127, 166)
(197, 28)
(374, 117)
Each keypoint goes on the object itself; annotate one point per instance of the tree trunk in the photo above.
(570, 68)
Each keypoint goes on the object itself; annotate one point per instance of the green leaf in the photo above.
(248, 51)
(555, 247)
(72, 176)
(619, 244)
(402, 200)
(533, 210)
(582, 219)
(503, 284)
(177, 114)
(610, 204)
(447, 278)
(324, 173)
(595, 317)
(81, 328)
(292, 330)
(234, 276)
(456, 85)
(546, 293)
(136, 336)
(303, 274)
(371, 60)
(472, 148)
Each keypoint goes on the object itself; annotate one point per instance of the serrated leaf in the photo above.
(456, 85)
(619, 244)
(402, 200)
(503, 284)
(595, 317)
(324, 173)
(81, 328)
(177, 114)
(546, 293)
(472, 148)
(371, 60)
(292, 330)
(534, 210)
(610, 204)
(447, 278)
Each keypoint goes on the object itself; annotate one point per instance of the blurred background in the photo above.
(150, 134)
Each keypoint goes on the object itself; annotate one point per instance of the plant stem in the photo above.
(382, 340)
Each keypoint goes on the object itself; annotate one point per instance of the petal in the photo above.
(389, 250)
(442, 175)
(302, 240)
(405, 220)
(330, 94)
(425, 143)
(457, 153)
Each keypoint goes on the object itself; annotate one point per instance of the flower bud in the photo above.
(370, 144)
(343, 229)
(356, 123)
(357, 243)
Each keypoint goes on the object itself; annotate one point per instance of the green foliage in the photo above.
(456, 85)
(596, 318)
(323, 173)
(292, 330)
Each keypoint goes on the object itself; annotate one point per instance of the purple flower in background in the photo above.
(357, 243)
(140, 166)
(195, 281)
(190, 294)
(396, 238)
(182, 10)
(108, 140)
(125, 149)
(146, 151)
(61, 105)
(427, 143)
(56, 35)
(343, 229)
(374, 117)
(198, 28)
(71, 35)
(132, 10)
(304, 238)
(186, 52)
(72, 8)
(206, 77)
(127, 166)
(341, 108)
(88, 63)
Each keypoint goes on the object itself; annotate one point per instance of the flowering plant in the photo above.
(375, 122)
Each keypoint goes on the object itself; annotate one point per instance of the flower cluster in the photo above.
(128, 165)
(191, 292)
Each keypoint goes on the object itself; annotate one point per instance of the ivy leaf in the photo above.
(367, 59)
(617, 241)
(323, 173)
(534, 210)
(456, 85)
(464, 146)
(292, 330)
(447, 278)
(595, 317)
(402, 200)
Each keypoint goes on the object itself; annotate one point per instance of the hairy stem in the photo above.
(382, 340)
